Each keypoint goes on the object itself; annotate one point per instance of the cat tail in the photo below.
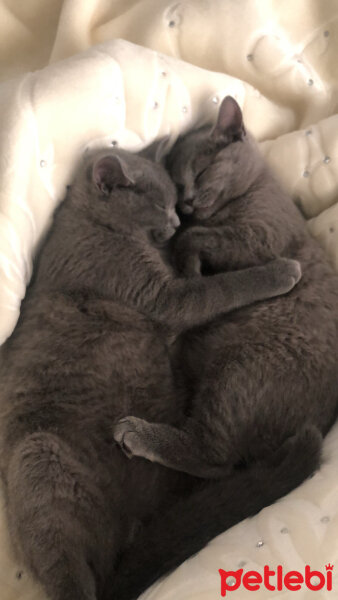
(184, 529)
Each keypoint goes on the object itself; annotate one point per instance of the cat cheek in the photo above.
(161, 236)
(204, 200)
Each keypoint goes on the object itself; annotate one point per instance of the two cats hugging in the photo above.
(163, 382)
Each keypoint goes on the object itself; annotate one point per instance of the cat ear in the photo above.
(110, 171)
(229, 122)
(156, 150)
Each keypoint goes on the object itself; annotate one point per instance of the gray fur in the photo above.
(90, 347)
(263, 380)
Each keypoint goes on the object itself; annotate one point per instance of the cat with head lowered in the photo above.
(263, 380)
(91, 347)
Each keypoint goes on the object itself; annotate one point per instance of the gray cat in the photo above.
(91, 347)
(263, 380)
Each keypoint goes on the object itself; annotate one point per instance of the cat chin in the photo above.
(161, 237)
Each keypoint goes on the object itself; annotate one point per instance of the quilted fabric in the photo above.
(67, 83)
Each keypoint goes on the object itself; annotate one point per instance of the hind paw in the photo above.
(129, 434)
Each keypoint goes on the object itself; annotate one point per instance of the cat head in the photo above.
(129, 192)
(212, 166)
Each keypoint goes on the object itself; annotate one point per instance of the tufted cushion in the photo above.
(91, 89)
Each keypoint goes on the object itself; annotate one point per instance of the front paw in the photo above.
(128, 434)
(285, 274)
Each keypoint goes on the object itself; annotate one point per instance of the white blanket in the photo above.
(279, 60)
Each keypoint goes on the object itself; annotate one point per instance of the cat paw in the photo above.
(286, 274)
(129, 435)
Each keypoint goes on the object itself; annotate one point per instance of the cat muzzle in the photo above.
(161, 236)
(186, 206)
(174, 220)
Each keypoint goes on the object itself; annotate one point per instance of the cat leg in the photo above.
(191, 245)
(187, 250)
(52, 506)
(185, 528)
(178, 449)
(184, 303)
(215, 249)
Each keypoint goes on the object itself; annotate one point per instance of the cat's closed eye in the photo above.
(200, 164)
(159, 206)
(199, 175)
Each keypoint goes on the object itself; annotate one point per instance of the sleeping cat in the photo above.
(91, 347)
(263, 379)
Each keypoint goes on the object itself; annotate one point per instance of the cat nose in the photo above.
(174, 220)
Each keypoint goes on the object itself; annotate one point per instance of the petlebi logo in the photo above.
(277, 579)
